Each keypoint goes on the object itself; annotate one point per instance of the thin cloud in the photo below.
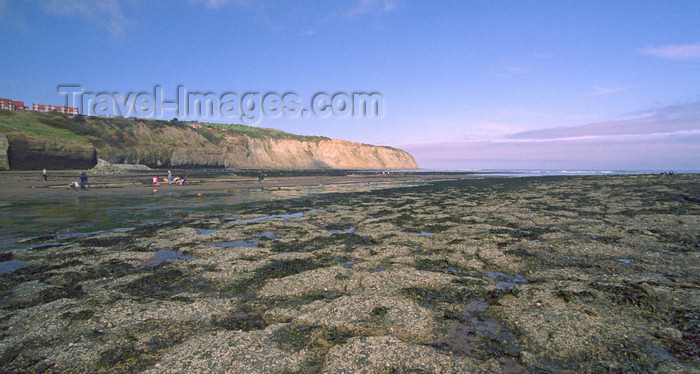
(674, 51)
(600, 90)
(489, 131)
(216, 4)
(371, 6)
(662, 153)
(668, 137)
(213, 4)
(690, 110)
(508, 69)
(667, 120)
(108, 14)
(625, 128)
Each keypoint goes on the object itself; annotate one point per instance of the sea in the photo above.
(550, 172)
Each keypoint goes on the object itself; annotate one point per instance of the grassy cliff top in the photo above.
(255, 132)
(119, 131)
(27, 123)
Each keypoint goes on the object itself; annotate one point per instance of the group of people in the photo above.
(75, 184)
(171, 180)
(83, 182)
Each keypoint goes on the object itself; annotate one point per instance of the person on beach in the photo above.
(155, 182)
(43, 173)
(170, 177)
(75, 184)
(83, 180)
(184, 180)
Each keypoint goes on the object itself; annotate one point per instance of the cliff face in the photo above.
(55, 141)
(27, 153)
(243, 152)
(174, 146)
(163, 147)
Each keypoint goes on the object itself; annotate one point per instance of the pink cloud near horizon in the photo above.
(668, 139)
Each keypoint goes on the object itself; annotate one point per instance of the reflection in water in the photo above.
(258, 219)
(269, 235)
(206, 231)
(67, 216)
(242, 243)
(339, 232)
(166, 255)
(10, 266)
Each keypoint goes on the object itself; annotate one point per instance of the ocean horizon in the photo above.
(552, 172)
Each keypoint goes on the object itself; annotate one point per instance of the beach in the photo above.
(31, 183)
(380, 273)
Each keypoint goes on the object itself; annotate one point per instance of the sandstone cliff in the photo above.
(52, 140)
(243, 152)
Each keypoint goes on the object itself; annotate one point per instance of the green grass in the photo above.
(115, 133)
(28, 122)
(257, 132)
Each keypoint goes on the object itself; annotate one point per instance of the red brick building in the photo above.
(9, 104)
(51, 108)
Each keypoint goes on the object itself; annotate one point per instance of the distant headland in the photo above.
(34, 140)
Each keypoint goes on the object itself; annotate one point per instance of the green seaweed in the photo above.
(240, 321)
(630, 294)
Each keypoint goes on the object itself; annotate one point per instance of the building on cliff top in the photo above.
(58, 108)
(9, 104)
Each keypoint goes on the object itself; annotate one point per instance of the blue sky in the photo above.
(465, 84)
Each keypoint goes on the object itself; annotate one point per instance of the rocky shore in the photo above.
(505, 275)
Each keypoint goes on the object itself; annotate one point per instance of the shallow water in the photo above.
(166, 255)
(206, 231)
(340, 232)
(258, 219)
(70, 216)
(504, 277)
(269, 235)
(10, 266)
(242, 243)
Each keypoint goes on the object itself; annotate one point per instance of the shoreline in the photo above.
(17, 184)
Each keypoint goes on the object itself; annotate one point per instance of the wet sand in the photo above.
(508, 275)
(31, 183)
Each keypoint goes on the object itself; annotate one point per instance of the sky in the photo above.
(590, 85)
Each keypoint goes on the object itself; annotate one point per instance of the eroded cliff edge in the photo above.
(53, 140)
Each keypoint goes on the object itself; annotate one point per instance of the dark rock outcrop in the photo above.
(28, 153)
(4, 145)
